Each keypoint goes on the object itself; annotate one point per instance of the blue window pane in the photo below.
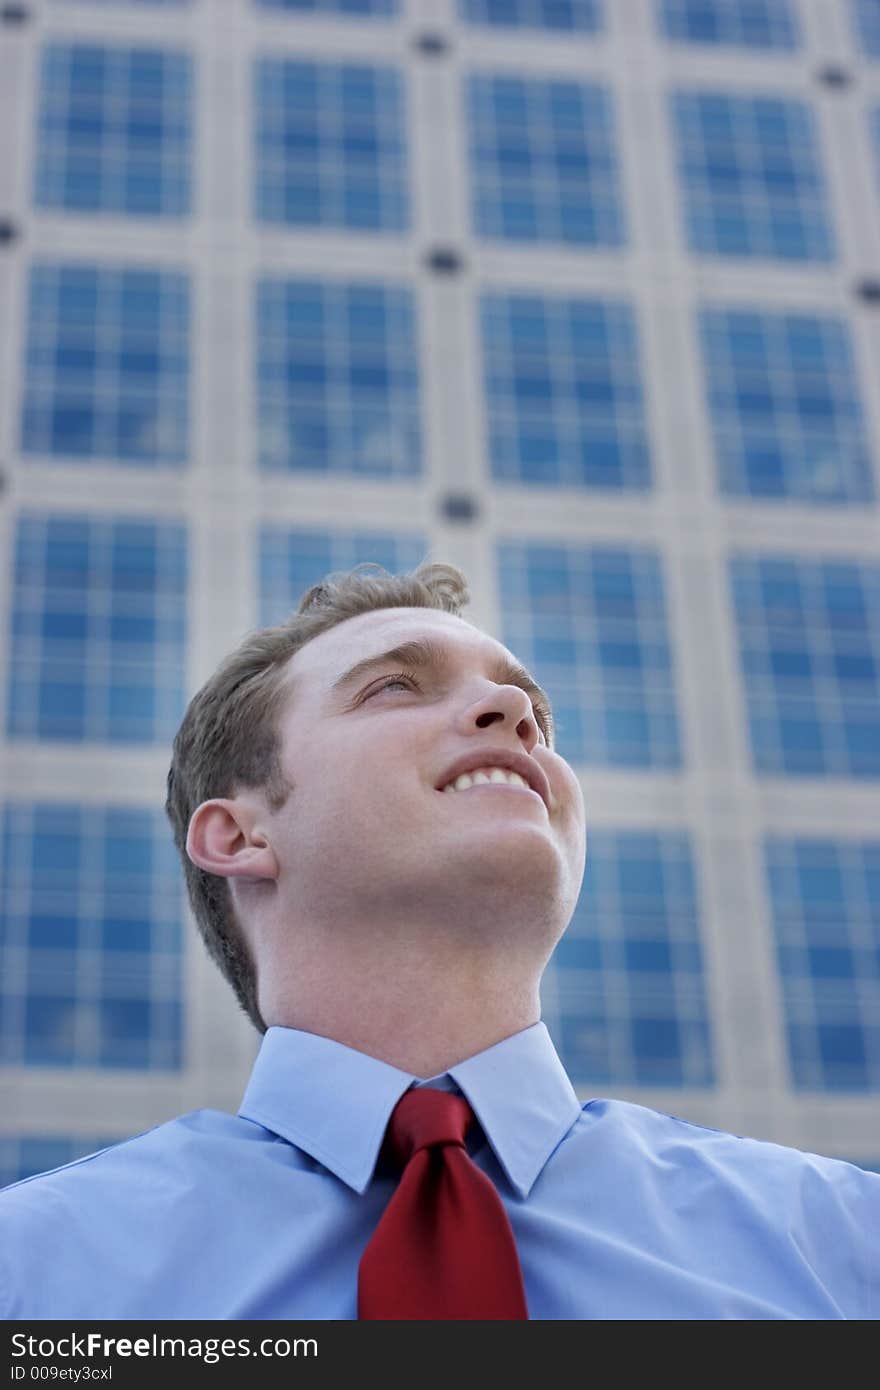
(49, 1031)
(755, 24)
(751, 177)
(98, 982)
(292, 560)
(842, 1045)
(23, 1156)
(809, 633)
(126, 2)
(786, 413)
(114, 130)
(562, 16)
(543, 161)
(656, 1041)
(52, 933)
(865, 19)
(126, 935)
(825, 899)
(654, 957)
(563, 392)
(371, 9)
(337, 378)
(831, 963)
(874, 121)
(107, 365)
(61, 708)
(330, 145)
(98, 638)
(598, 606)
(628, 976)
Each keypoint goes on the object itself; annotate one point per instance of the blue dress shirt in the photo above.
(618, 1211)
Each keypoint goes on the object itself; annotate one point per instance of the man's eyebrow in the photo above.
(424, 652)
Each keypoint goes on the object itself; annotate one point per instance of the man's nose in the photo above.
(509, 706)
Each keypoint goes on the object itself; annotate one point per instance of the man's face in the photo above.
(368, 833)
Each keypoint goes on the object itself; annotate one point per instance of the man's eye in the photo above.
(401, 678)
(408, 679)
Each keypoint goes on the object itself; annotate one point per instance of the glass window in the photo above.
(337, 378)
(98, 634)
(825, 902)
(786, 414)
(114, 130)
(809, 633)
(124, 2)
(755, 24)
(21, 1156)
(751, 177)
(874, 128)
(330, 145)
(628, 976)
(564, 392)
(564, 15)
(90, 939)
(107, 365)
(543, 161)
(354, 9)
(291, 561)
(591, 626)
(865, 17)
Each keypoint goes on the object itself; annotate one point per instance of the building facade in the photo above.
(582, 296)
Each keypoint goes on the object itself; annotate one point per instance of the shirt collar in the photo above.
(335, 1103)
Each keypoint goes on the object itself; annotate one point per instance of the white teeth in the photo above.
(484, 776)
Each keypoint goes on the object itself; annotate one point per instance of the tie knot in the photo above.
(426, 1116)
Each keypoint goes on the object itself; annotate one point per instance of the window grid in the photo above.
(874, 128)
(543, 162)
(21, 1156)
(582, 16)
(126, 2)
(346, 9)
(746, 23)
(337, 378)
(751, 179)
(107, 365)
(91, 938)
(785, 409)
(825, 899)
(563, 392)
(591, 624)
(865, 17)
(98, 637)
(629, 972)
(291, 561)
(330, 145)
(809, 634)
(114, 130)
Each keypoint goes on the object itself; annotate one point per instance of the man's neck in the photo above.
(418, 1022)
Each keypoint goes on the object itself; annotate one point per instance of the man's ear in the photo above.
(225, 838)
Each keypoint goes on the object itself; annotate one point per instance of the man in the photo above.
(385, 920)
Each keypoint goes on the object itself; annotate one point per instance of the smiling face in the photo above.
(369, 836)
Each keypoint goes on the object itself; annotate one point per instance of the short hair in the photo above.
(229, 737)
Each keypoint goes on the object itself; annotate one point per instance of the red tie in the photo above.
(443, 1247)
